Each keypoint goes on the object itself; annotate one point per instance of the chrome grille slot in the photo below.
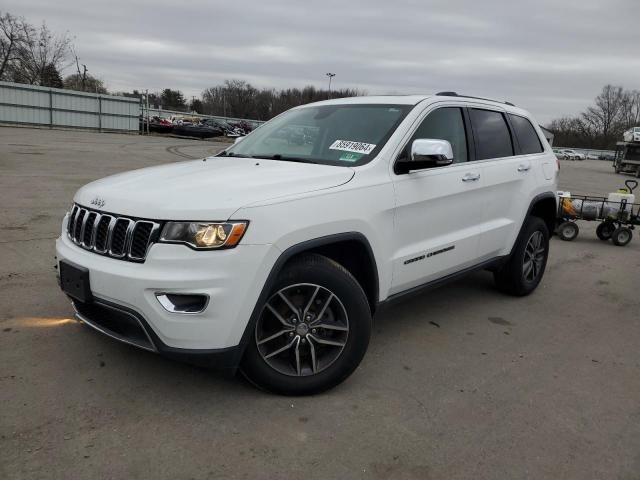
(115, 236)
(102, 234)
(77, 228)
(119, 237)
(72, 218)
(140, 239)
(87, 229)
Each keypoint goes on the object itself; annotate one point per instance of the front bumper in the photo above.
(232, 279)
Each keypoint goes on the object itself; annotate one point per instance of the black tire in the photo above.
(605, 230)
(617, 167)
(568, 231)
(621, 236)
(282, 373)
(514, 278)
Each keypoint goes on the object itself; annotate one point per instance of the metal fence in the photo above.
(58, 108)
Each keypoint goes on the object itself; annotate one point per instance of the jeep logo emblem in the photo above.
(98, 202)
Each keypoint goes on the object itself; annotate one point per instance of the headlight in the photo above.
(204, 236)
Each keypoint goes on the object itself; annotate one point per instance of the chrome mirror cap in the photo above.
(432, 150)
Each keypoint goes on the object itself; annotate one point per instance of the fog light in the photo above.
(183, 302)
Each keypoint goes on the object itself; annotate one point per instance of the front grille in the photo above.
(116, 236)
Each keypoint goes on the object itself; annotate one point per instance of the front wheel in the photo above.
(313, 330)
(524, 270)
(621, 236)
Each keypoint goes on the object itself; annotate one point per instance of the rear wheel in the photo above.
(313, 330)
(568, 231)
(525, 268)
(605, 230)
(621, 236)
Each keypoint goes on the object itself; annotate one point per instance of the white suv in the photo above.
(273, 256)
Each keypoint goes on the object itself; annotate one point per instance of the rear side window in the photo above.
(492, 134)
(527, 136)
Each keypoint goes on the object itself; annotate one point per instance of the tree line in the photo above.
(601, 125)
(240, 99)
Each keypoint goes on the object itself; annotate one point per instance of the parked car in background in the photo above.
(632, 135)
(559, 153)
(574, 155)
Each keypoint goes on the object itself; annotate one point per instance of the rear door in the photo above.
(508, 148)
(438, 214)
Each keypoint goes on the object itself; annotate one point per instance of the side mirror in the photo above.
(427, 153)
(237, 140)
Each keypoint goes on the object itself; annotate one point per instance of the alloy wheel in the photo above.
(534, 255)
(302, 330)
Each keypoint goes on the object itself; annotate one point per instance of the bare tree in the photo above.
(631, 109)
(605, 116)
(12, 40)
(41, 48)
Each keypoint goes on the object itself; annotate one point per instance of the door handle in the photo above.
(471, 177)
(524, 168)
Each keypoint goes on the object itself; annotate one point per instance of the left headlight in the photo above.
(204, 236)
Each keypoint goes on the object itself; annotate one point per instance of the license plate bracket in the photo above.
(74, 281)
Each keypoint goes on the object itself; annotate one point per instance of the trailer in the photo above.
(618, 214)
(627, 158)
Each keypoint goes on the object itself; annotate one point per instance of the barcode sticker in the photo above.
(355, 147)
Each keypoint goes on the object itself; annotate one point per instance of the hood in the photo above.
(206, 190)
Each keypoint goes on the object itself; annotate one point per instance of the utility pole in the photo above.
(330, 75)
(146, 95)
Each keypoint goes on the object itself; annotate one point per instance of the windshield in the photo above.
(348, 134)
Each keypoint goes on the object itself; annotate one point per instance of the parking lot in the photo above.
(461, 382)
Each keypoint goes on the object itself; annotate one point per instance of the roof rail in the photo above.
(455, 94)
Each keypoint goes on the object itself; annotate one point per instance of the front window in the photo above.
(348, 134)
(636, 129)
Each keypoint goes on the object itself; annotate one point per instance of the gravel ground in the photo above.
(458, 383)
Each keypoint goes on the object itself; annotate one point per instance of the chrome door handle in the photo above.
(471, 177)
(524, 168)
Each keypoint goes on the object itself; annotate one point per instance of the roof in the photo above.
(415, 99)
(377, 99)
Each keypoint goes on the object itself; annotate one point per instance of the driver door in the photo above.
(439, 213)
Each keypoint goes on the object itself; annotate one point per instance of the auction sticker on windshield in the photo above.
(355, 147)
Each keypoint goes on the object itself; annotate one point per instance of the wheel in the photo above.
(568, 231)
(621, 236)
(523, 271)
(605, 230)
(618, 167)
(638, 173)
(313, 330)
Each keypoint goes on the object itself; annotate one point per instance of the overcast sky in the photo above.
(549, 56)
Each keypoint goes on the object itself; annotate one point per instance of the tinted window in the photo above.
(445, 124)
(525, 133)
(492, 134)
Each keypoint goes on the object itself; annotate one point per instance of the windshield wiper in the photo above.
(224, 153)
(277, 156)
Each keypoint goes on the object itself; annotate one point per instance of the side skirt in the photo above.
(491, 264)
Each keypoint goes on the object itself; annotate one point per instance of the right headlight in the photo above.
(203, 235)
